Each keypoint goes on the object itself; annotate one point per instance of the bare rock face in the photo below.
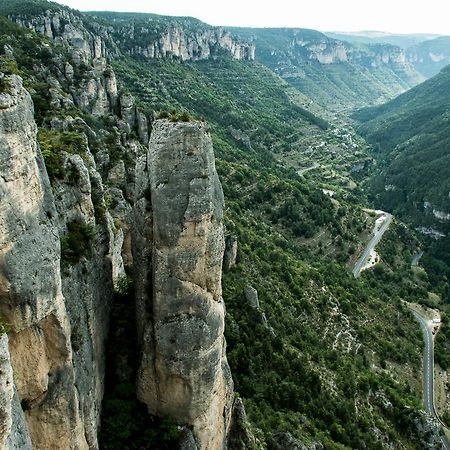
(241, 436)
(6, 391)
(14, 433)
(186, 45)
(87, 283)
(67, 28)
(178, 250)
(229, 257)
(251, 295)
(31, 298)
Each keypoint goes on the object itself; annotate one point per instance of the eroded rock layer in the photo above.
(179, 246)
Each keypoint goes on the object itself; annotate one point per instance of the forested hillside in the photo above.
(319, 358)
(411, 139)
(411, 135)
(337, 74)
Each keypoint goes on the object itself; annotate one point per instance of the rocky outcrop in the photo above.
(229, 257)
(251, 295)
(91, 41)
(87, 282)
(285, 441)
(184, 45)
(30, 283)
(240, 436)
(178, 251)
(6, 390)
(68, 28)
(58, 320)
(97, 92)
(14, 433)
(332, 51)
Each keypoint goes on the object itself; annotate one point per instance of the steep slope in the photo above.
(286, 289)
(430, 56)
(336, 74)
(411, 134)
(426, 53)
(411, 137)
(276, 217)
(57, 291)
(184, 38)
(57, 383)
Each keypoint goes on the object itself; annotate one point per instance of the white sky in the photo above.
(398, 16)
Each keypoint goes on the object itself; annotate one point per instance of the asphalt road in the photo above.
(371, 245)
(428, 370)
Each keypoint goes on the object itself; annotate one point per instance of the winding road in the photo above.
(371, 245)
(427, 330)
(428, 370)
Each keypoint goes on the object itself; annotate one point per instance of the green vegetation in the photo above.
(323, 349)
(293, 244)
(8, 65)
(411, 138)
(338, 87)
(77, 242)
(175, 116)
(4, 326)
(53, 145)
(30, 8)
(5, 86)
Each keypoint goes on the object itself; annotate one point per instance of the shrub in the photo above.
(77, 242)
(4, 326)
(5, 86)
(8, 65)
(54, 143)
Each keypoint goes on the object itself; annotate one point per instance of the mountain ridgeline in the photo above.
(170, 276)
(427, 53)
(337, 74)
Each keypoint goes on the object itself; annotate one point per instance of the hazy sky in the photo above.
(399, 16)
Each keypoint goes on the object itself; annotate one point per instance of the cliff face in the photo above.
(57, 303)
(331, 51)
(68, 28)
(179, 247)
(91, 41)
(185, 45)
(65, 236)
(58, 320)
(30, 288)
(87, 283)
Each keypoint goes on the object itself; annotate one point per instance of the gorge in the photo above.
(181, 207)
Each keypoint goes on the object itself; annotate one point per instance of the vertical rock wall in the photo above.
(31, 299)
(58, 321)
(179, 248)
(86, 283)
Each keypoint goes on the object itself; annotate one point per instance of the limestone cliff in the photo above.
(87, 282)
(92, 41)
(331, 51)
(65, 238)
(184, 45)
(67, 27)
(178, 251)
(30, 288)
(58, 320)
